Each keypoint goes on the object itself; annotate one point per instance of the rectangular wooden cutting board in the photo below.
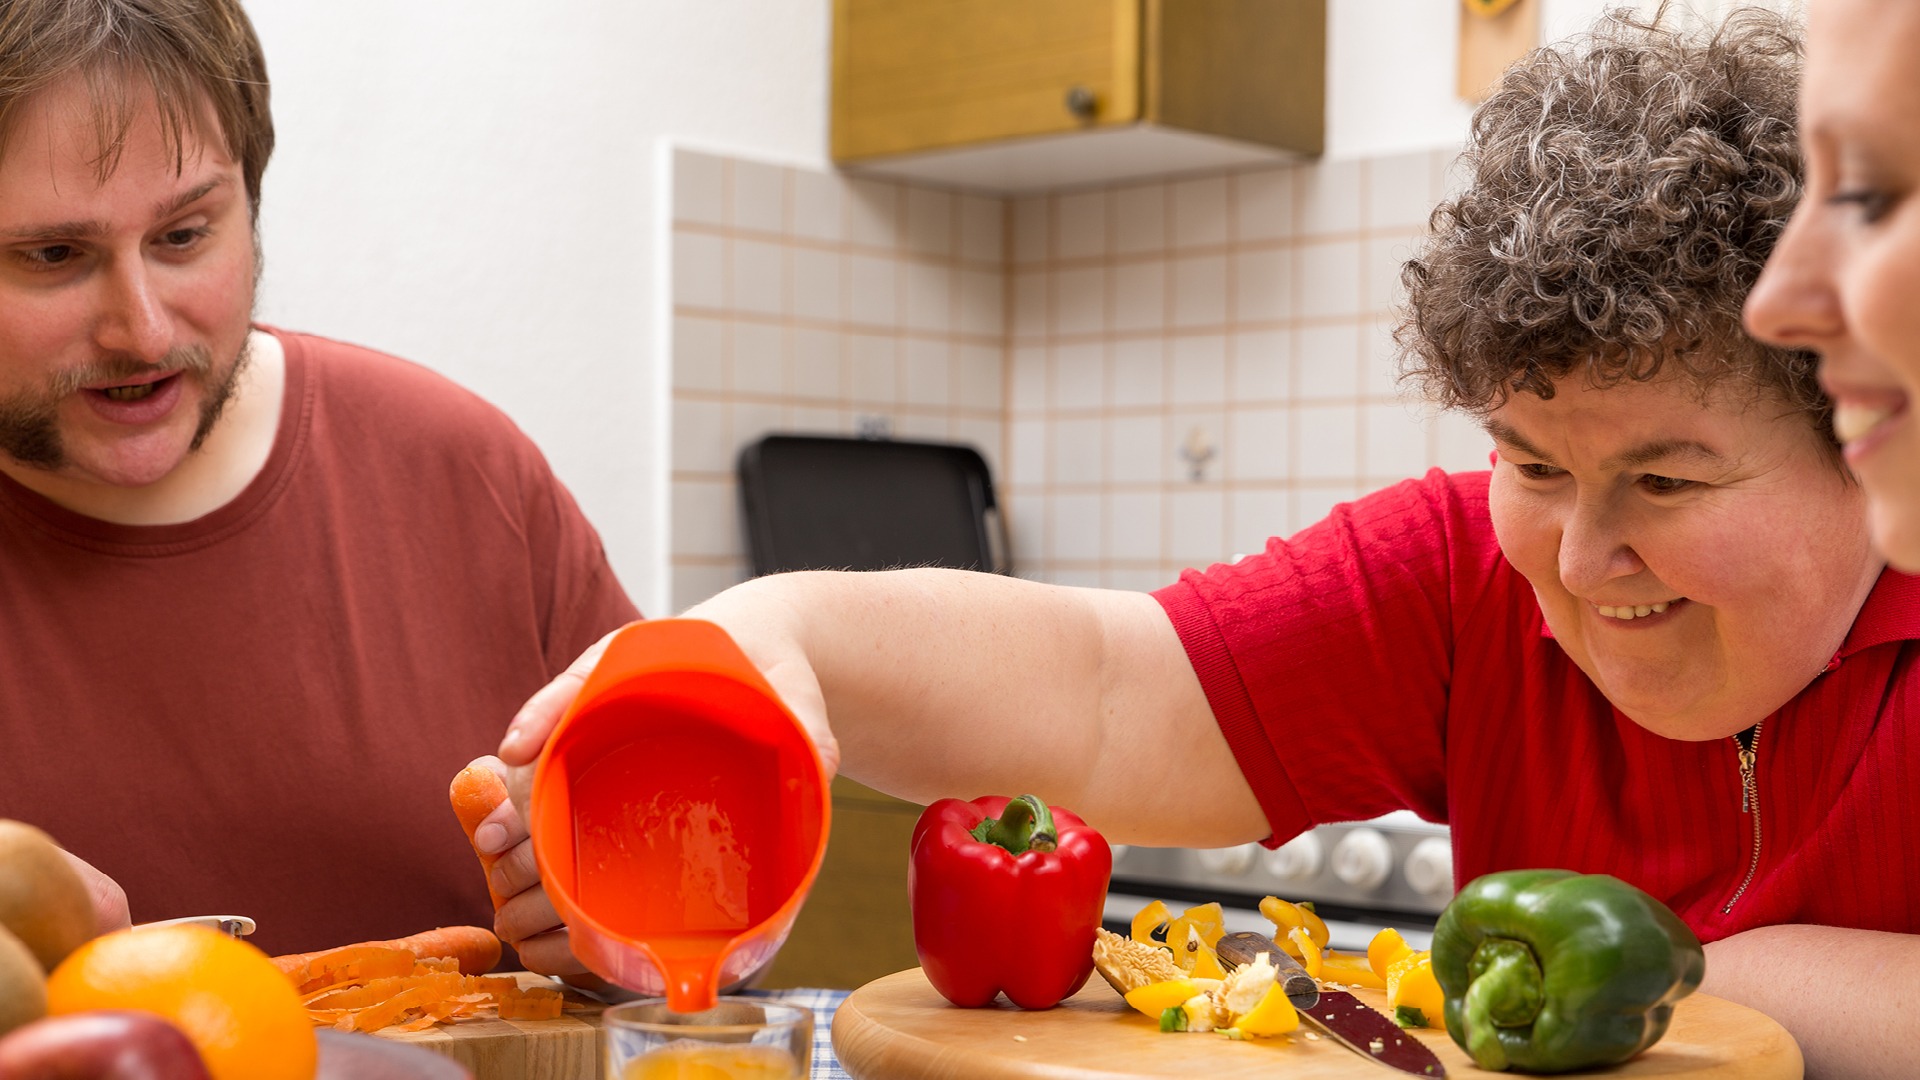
(567, 1048)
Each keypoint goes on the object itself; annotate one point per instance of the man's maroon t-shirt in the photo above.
(259, 712)
(1390, 657)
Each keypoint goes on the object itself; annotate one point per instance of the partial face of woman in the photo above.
(1845, 277)
(1700, 561)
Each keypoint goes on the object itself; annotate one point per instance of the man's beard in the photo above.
(29, 421)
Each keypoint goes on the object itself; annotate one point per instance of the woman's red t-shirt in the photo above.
(1389, 657)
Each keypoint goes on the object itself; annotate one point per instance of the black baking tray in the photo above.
(814, 502)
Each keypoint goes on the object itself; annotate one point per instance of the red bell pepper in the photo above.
(1006, 895)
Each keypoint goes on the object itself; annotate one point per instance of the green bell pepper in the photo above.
(1548, 970)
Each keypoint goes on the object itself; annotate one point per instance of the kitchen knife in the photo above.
(1345, 1018)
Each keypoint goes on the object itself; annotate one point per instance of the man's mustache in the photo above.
(115, 370)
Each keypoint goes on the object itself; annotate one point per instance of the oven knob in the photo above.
(1233, 861)
(1298, 859)
(1429, 867)
(1363, 859)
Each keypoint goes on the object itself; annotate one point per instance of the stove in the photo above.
(1362, 876)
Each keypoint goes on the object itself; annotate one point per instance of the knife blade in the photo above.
(230, 925)
(1341, 1016)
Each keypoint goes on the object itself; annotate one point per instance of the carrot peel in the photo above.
(534, 1003)
(427, 996)
(412, 983)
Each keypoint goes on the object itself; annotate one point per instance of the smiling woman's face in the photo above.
(1701, 562)
(1842, 279)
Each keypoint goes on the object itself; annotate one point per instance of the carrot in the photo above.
(474, 947)
(475, 793)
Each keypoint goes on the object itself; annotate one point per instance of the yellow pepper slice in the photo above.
(1151, 918)
(1273, 1016)
(1350, 968)
(1301, 946)
(1156, 998)
(1285, 916)
(1194, 936)
(1411, 984)
(1208, 919)
(1386, 947)
(1206, 965)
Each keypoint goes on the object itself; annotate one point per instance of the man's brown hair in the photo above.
(1622, 194)
(200, 58)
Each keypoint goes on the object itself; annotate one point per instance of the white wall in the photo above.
(472, 185)
(1391, 65)
(475, 185)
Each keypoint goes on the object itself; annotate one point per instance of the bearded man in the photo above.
(264, 593)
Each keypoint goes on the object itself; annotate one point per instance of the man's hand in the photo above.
(525, 920)
(109, 900)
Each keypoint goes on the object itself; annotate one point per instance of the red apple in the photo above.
(101, 1045)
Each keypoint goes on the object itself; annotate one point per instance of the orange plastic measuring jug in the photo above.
(679, 814)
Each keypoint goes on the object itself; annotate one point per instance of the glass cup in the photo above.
(738, 1039)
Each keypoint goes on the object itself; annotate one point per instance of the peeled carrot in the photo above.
(474, 947)
(475, 793)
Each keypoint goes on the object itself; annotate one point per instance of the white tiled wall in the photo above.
(806, 302)
(1202, 363)
(1161, 374)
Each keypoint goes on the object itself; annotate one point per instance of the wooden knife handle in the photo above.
(1240, 948)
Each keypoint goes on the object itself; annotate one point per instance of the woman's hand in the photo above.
(758, 619)
(526, 919)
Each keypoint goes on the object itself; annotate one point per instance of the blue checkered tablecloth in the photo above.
(822, 1002)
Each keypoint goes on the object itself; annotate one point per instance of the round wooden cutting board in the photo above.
(900, 1028)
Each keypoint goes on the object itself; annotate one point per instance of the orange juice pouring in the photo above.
(679, 814)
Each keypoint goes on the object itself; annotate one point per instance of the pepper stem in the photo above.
(1503, 991)
(1025, 825)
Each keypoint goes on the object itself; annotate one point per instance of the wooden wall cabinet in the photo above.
(856, 925)
(1013, 95)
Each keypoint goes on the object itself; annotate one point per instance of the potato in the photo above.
(42, 899)
(23, 986)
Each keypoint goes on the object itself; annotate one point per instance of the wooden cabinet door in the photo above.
(922, 74)
(856, 924)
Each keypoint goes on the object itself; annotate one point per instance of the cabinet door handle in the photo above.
(1081, 102)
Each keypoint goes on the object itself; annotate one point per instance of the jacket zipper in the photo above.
(1749, 804)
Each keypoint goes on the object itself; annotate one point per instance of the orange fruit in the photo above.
(242, 1014)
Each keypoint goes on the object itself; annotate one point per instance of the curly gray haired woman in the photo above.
(1623, 193)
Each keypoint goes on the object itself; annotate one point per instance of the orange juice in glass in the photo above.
(701, 1062)
(738, 1039)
